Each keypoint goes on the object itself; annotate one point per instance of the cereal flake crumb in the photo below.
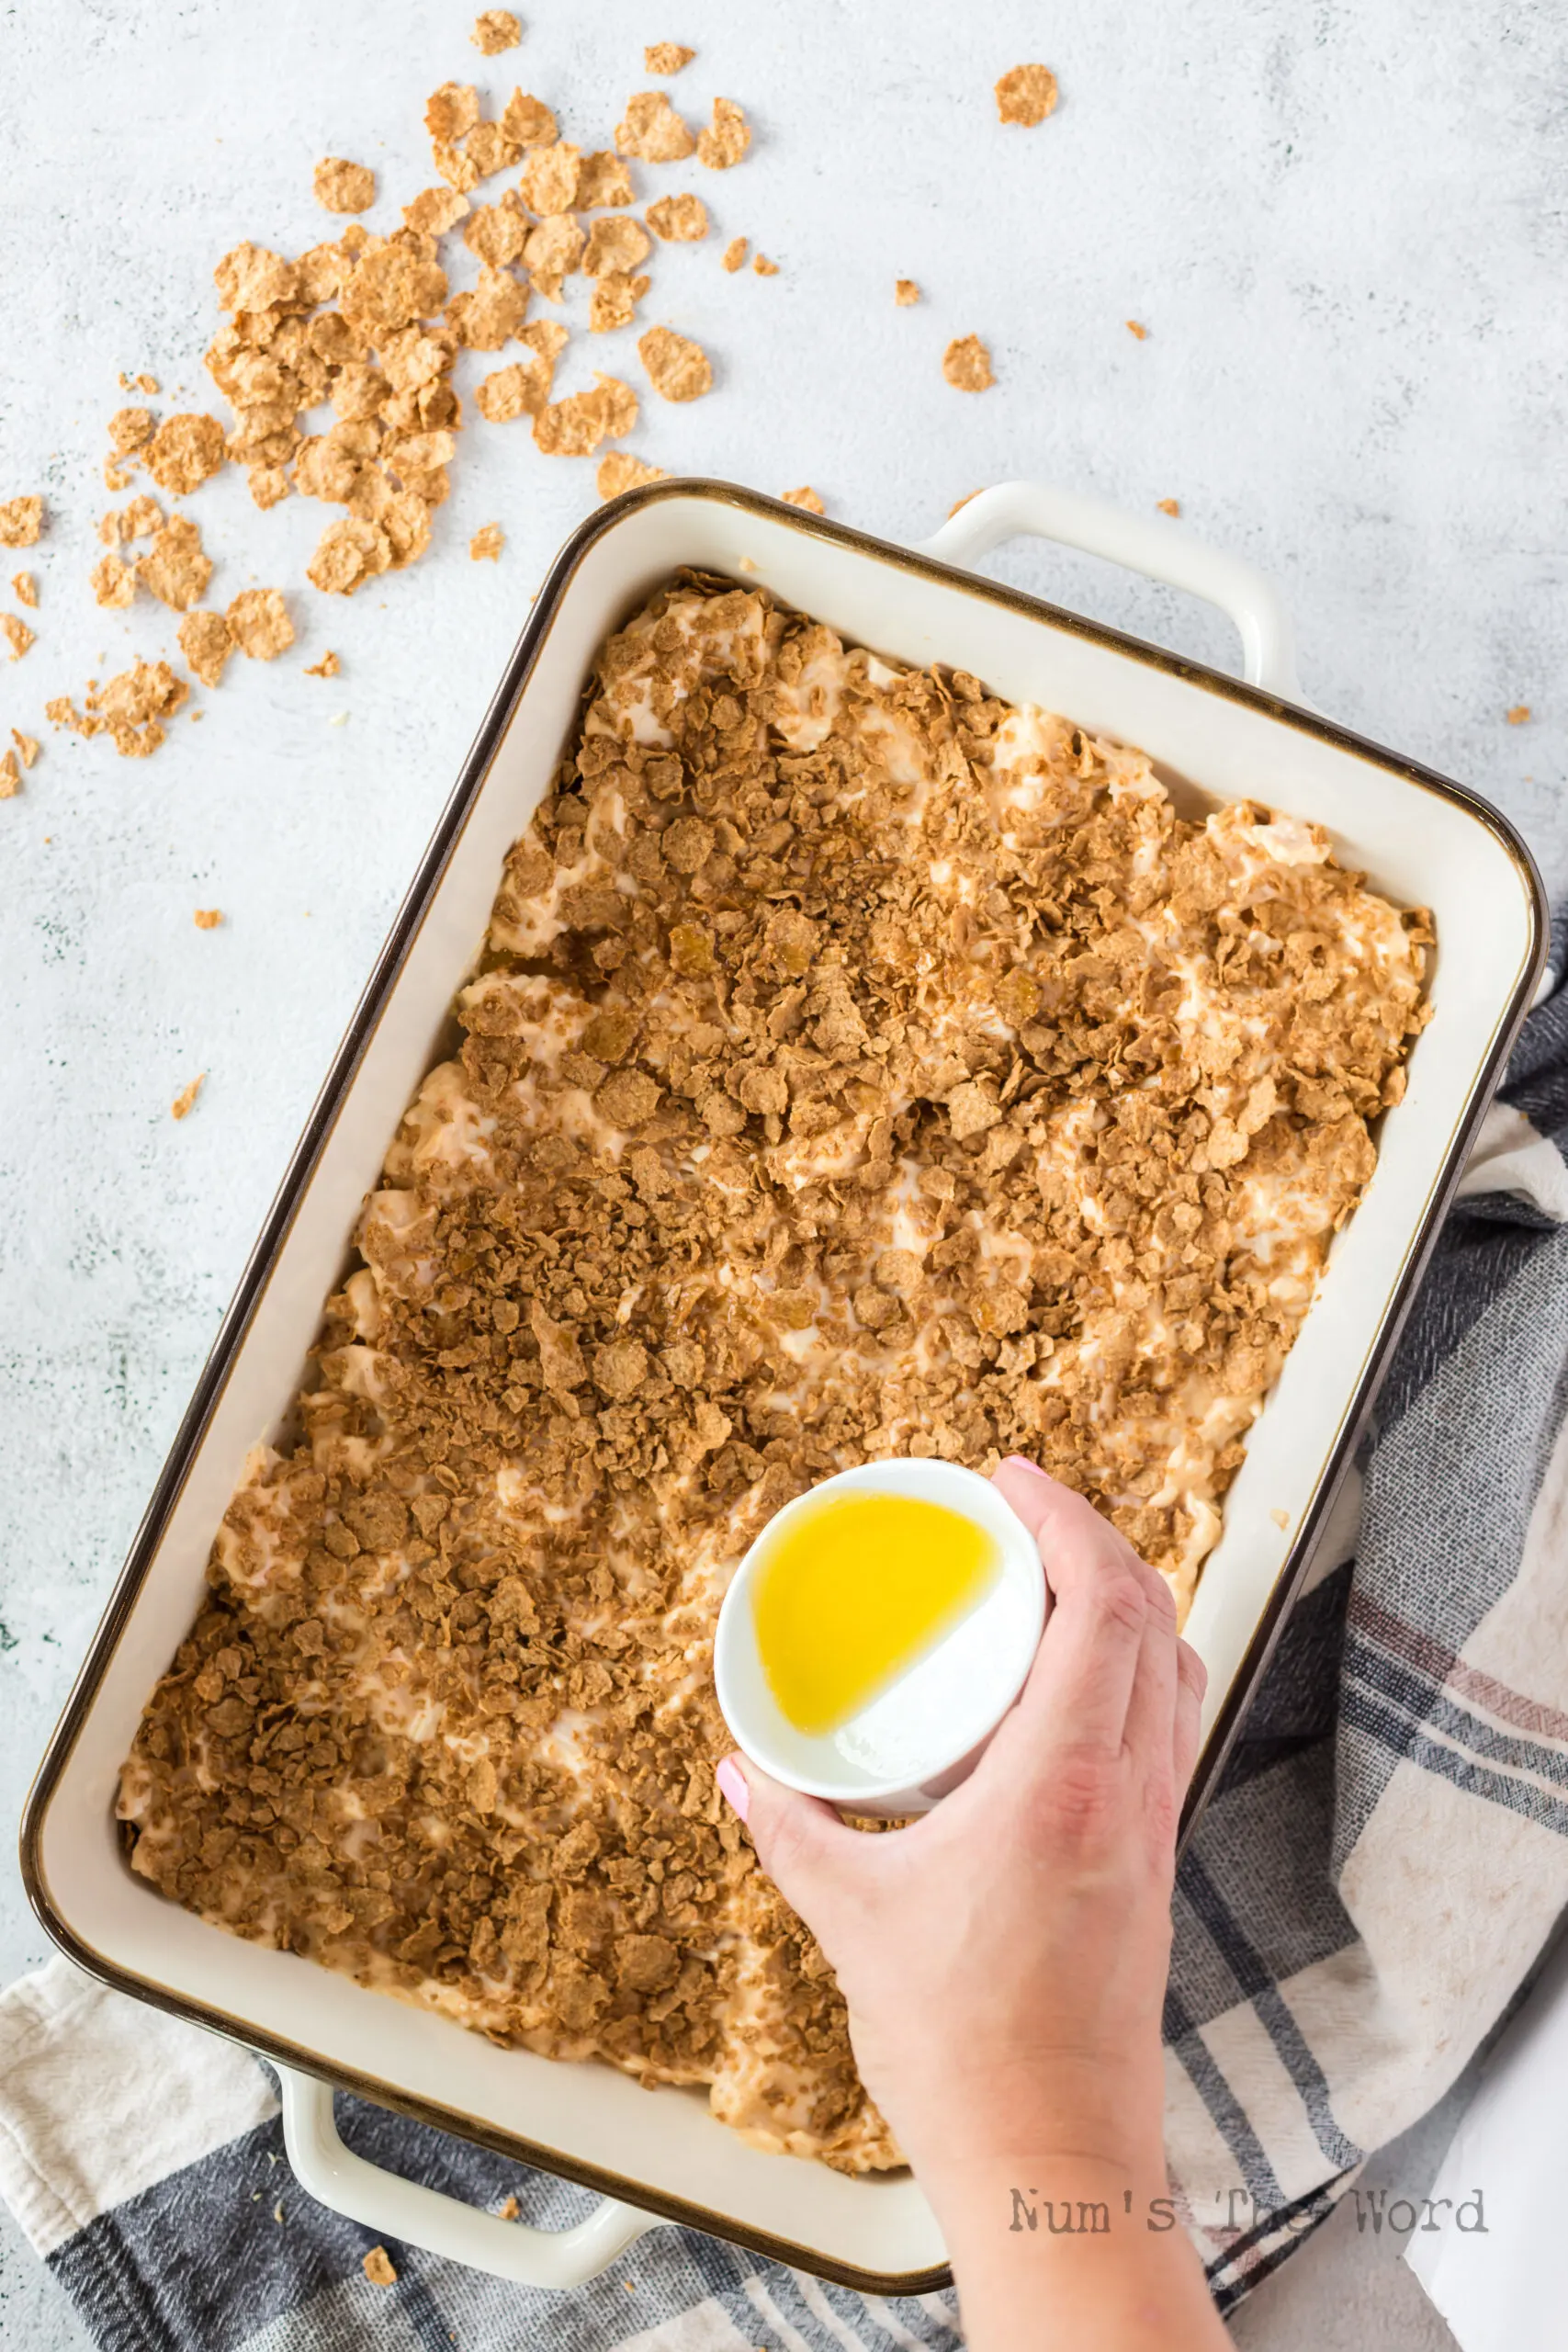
(17, 633)
(805, 496)
(24, 587)
(343, 186)
(175, 567)
(495, 30)
(1027, 95)
(184, 1101)
(508, 2210)
(10, 778)
(652, 130)
(764, 267)
(21, 520)
(1135, 326)
(1168, 505)
(619, 470)
(734, 255)
(208, 918)
(679, 220)
(678, 368)
(27, 746)
(905, 292)
(615, 297)
(726, 138)
(259, 624)
(147, 383)
(1282, 1518)
(129, 428)
(666, 57)
(113, 583)
(1519, 714)
(966, 363)
(327, 667)
(377, 2267)
(487, 543)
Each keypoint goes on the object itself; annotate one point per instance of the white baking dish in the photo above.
(1420, 839)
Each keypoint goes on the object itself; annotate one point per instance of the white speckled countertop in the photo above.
(1341, 225)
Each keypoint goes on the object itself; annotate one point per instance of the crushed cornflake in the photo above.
(27, 746)
(678, 220)
(176, 568)
(1027, 95)
(347, 555)
(1135, 326)
(764, 267)
(207, 643)
(652, 130)
(10, 776)
(147, 384)
(620, 470)
(966, 363)
(259, 624)
(615, 297)
(805, 496)
(726, 138)
(603, 180)
(666, 57)
(377, 2267)
(24, 587)
(113, 583)
(137, 521)
(17, 633)
(1168, 505)
(487, 543)
(129, 428)
(327, 667)
(184, 1101)
(130, 708)
(508, 2210)
(574, 428)
(678, 368)
(208, 918)
(524, 389)
(343, 186)
(21, 520)
(905, 291)
(495, 30)
(1518, 714)
(184, 451)
(733, 257)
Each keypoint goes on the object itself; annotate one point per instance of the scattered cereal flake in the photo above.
(435, 210)
(184, 451)
(603, 180)
(678, 368)
(497, 234)
(764, 267)
(734, 255)
(147, 383)
(524, 389)
(495, 30)
(24, 587)
(1282, 1518)
(377, 2267)
(27, 746)
(21, 520)
(327, 667)
(259, 624)
(679, 220)
(1135, 327)
(251, 278)
(10, 776)
(528, 120)
(905, 291)
(130, 707)
(615, 297)
(574, 428)
(343, 186)
(491, 314)
(1027, 95)
(129, 428)
(966, 363)
(552, 253)
(1168, 505)
(113, 583)
(208, 918)
(452, 111)
(549, 183)
(391, 286)
(616, 244)
(268, 484)
(620, 470)
(115, 476)
(805, 496)
(489, 148)
(487, 543)
(1519, 714)
(349, 553)
(175, 567)
(207, 643)
(653, 131)
(140, 518)
(726, 138)
(460, 171)
(508, 2210)
(666, 57)
(17, 633)
(184, 1101)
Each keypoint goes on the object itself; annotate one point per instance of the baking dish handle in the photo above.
(1160, 550)
(401, 2209)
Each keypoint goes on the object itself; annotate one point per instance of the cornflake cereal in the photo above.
(24, 587)
(259, 624)
(209, 918)
(1168, 505)
(678, 220)
(175, 569)
(966, 363)
(327, 667)
(620, 470)
(805, 496)
(21, 520)
(113, 583)
(615, 297)
(1027, 95)
(856, 1066)
(575, 427)
(1518, 714)
(495, 30)
(487, 543)
(764, 267)
(10, 776)
(549, 177)
(17, 633)
(652, 130)
(184, 451)
(377, 2267)
(678, 368)
(905, 292)
(435, 210)
(616, 245)
(129, 428)
(184, 1101)
(1134, 327)
(27, 746)
(726, 138)
(666, 57)
(604, 179)
(343, 186)
(733, 257)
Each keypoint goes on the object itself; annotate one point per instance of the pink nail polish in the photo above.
(1017, 1461)
(732, 1787)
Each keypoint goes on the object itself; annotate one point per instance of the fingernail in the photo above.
(1017, 1461)
(732, 1786)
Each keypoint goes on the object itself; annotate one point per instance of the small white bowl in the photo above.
(924, 1735)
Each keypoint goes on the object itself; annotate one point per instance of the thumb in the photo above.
(801, 1842)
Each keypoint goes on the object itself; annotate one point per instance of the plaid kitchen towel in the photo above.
(1384, 1861)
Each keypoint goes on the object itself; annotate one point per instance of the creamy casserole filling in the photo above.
(857, 1064)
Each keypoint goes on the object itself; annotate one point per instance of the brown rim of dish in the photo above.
(335, 1090)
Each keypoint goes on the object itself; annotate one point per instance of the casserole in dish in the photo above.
(1420, 840)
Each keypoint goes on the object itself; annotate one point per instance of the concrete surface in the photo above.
(1341, 227)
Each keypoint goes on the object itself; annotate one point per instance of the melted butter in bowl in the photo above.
(876, 1632)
